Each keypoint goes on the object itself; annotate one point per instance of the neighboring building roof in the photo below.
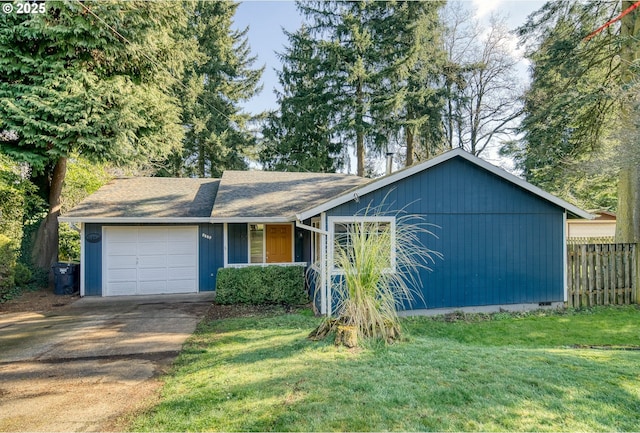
(151, 199)
(276, 196)
(603, 215)
(409, 171)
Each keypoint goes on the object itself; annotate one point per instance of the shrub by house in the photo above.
(261, 285)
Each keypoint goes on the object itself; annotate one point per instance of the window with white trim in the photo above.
(344, 230)
(256, 243)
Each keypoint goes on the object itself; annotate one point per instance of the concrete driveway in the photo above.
(89, 365)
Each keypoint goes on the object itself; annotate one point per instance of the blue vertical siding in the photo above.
(237, 237)
(500, 243)
(92, 262)
(210, 255)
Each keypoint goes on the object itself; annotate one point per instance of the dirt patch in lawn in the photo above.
(37, 301)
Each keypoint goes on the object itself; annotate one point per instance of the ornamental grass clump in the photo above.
(379, 262)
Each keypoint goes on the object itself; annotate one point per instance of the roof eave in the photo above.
(174, 220)
(133, 220)
(252, 219)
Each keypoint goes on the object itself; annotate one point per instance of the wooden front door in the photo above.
(279, 243)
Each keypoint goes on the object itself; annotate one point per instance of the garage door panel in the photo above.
(153, 261)
(123, 274)
(153, 274)
(182, 234)
(120, 289)
(153, 287)
(150, 260)
(154, 248)
(180, 273)
(153, 290)
(123, 234)
(181, 248)
(182, 286)
(180, 260)
(122, 262)
(122, 248)
(152, 234)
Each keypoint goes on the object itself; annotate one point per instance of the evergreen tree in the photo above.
(421, 115)
(573, 104)
(299, 137)
(370, 48)
(92, 78)
(216, 82)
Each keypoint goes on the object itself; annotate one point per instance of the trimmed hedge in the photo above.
(261, 285)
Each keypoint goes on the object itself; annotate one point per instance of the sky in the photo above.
(267, 18)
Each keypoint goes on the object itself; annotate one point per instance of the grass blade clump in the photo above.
(379, 264)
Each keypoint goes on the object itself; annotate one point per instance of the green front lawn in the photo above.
(527, 373)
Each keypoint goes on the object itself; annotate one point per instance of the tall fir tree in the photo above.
(369, 47)
(421, 115)
(219, 79)
(299, 137)
(91, 78)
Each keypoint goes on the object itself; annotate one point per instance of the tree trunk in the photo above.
(45, 250)
(360, 129)
(449, 116)
(201, 158)
(410, 146)
(628, 216)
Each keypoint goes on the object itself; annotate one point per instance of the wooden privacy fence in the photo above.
(601, 274)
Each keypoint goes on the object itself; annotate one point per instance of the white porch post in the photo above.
(225, 245)
(325, 275)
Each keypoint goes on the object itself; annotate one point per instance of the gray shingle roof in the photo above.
(149, 197)
(237, 195)
(268, 194)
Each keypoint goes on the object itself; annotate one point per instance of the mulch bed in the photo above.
(37, 301)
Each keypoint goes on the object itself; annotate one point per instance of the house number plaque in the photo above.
(93, 237)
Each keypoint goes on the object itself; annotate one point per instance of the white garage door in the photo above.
(150, 260)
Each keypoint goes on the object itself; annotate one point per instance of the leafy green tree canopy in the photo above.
(572, 108)
(93, 78)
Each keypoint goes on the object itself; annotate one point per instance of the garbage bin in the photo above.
(65, 278)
